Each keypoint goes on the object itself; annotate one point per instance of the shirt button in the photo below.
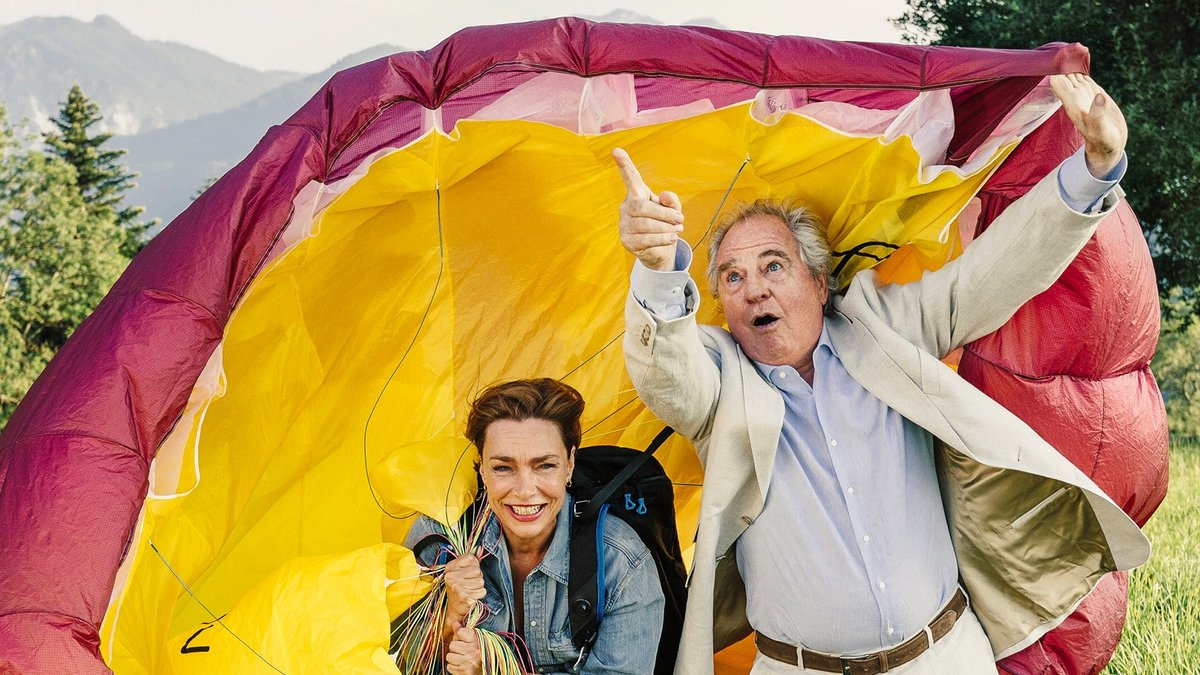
(891, 630)
(782, 375)
(532, 623)
(832, 443)
(850, 490)
(677, 290)
(866, 537)
(882, 585)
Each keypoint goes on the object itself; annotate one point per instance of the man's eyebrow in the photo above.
(774, 252)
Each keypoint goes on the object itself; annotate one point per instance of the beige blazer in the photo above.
(1033, 534)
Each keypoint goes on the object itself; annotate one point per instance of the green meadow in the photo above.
(1162, 630)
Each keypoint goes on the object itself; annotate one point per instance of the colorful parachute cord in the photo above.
(420, 632)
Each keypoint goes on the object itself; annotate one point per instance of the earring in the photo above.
(568, 482)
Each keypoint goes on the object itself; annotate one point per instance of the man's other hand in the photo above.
(1097, 118)
(650, 224)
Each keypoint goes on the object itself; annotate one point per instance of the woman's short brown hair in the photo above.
(542, 398)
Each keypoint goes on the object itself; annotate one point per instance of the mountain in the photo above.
(139, 84)
(175, 162)
(185, 116)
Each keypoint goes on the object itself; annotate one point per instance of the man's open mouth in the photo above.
(764, 320)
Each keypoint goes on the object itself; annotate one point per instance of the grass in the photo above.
(1162, 629)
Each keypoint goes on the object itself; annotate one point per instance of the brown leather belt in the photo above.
(879, 662)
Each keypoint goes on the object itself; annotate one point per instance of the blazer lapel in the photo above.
(764, 421)
(893, 377)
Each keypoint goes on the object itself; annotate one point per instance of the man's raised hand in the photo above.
(1097, 118)
(650, 224)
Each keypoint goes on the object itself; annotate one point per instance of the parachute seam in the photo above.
(1046, 376)
(766, 63)
(587, 50)
(51, 613)
(442, 97)
(22, 439)
(1100, 438)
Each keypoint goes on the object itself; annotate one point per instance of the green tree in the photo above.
(1176, 370)
(101, 177)
(1147, 55)
(57, 260)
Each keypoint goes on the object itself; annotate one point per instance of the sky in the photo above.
(310, 35)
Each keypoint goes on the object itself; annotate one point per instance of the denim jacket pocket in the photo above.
(563, 650)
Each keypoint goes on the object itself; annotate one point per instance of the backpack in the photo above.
(631, 485)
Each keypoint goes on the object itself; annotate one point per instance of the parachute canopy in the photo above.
(277, 384)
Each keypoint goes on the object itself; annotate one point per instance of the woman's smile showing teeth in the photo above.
(526, 512)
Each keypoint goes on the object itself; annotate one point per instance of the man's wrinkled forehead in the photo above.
(760, 236)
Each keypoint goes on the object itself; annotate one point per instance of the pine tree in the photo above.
(99, 174)
(58, 258)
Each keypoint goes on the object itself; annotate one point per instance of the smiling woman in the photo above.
(527, 432)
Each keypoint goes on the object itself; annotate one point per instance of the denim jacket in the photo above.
(633, 600)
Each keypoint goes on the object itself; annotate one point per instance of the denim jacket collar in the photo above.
(556, 563)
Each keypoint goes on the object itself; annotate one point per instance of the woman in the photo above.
(527, 432)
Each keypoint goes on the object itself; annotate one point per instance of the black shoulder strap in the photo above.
(587, 608)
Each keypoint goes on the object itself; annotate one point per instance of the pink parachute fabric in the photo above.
(75, 457)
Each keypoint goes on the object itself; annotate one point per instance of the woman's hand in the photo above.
(464, 588)
(463, 656)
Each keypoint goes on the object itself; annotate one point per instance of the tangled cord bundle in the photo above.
(420, 631)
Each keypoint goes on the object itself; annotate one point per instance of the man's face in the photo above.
(774, 306)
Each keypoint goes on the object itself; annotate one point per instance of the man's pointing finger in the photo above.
(634, 184)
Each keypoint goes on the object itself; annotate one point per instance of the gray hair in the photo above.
(806, 227)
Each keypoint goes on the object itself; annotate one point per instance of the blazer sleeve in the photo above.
(674, 372)
(1022, 253)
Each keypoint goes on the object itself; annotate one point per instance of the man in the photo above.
(852, 479)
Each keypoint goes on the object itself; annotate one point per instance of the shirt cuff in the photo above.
(1082, 191)
(664, 294)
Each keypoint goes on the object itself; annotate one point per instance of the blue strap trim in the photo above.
(600, 562)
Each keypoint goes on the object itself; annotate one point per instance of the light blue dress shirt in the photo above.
(851, 553)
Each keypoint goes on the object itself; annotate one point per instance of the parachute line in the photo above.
(216, 619)
(437, 189)
(614, 412)
(598, 353)
(724, 198)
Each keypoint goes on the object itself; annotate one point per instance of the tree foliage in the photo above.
(1175, 369)
(1147, 55)
(101, 177)
(58, 258)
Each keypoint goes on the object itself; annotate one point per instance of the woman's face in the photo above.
(525, 469)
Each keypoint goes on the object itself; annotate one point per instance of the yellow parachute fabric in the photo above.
(333, 410)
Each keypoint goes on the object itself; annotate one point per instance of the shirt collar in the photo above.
(767, 371)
